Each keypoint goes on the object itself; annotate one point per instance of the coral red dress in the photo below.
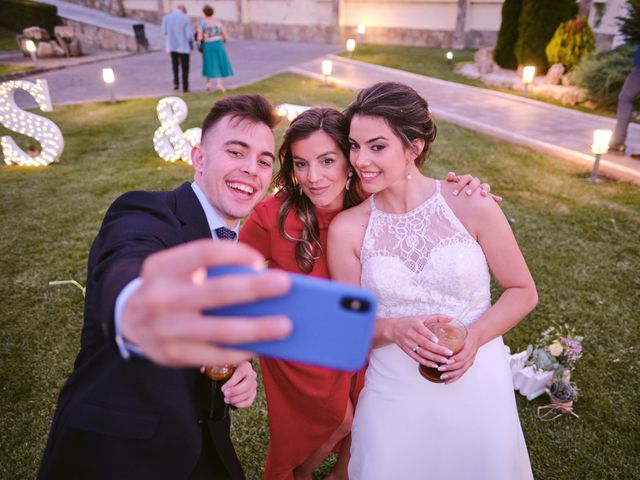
(306, 404)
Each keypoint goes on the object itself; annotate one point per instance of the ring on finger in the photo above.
(415, 349)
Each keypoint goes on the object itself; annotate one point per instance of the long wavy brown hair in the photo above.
(320, 119)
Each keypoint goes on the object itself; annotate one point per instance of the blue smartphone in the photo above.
(332, 322)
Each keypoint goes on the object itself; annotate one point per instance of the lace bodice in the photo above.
(423, 261)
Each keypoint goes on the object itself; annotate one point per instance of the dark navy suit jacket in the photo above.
(124, 419)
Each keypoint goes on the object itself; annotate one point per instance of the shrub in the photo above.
(16, 15)
(538, 21)
(602, 74)
(630, 24)
(572, 41)
(504, 54)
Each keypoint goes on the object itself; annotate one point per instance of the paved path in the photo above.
(559, 131)
(149, 74)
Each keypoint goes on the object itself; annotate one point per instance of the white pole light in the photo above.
(327, 68)
(109, 78)
(449, 56)
(351, 46)
(41, 129)
(169, 141)
(528, 74)
(599, 147)
(361, 29)
(31, 48)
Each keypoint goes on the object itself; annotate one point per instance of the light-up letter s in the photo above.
(43, 130)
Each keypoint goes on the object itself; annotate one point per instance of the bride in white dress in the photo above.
(425, 250)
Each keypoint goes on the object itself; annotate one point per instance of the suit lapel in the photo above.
(190, 213)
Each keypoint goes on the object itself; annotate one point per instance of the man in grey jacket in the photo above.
(176, 27)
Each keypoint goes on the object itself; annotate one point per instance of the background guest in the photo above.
(212, 36)
(176, 26)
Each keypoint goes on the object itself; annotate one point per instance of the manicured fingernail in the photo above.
(448, 352)
(483, 193)
(469, 191)
(434, 339)
(456, 192)
(499, 198)
(442, 368)
(444, 376)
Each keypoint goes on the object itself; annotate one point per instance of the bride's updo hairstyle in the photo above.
(318, 119)
(404, 110)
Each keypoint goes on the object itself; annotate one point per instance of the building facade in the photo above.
(433, 23)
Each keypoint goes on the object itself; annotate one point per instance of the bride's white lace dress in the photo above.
(406, 427)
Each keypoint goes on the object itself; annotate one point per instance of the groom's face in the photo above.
(233, 166)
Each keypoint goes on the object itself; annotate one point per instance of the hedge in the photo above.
(505, 55)
(17, 15)
(538, 22)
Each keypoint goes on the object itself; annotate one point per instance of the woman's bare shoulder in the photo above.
(352, 219)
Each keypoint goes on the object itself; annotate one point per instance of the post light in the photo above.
(361, 29)
(449, 56)
(31, 48)
(109, 78)
(327, 68)
(528, 73)
(600, 146)
(351, 46)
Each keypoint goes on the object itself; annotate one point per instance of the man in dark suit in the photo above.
(136, 406)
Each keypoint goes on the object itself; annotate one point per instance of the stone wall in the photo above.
(145, 15)
(401, 36)
(93, 38)
(113, 7)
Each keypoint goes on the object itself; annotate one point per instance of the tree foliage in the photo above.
(572, 41)
(504, 53)
(630, 24)
(538, 22)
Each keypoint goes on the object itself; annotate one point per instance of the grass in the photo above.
(581, 242)
(6, 68)
(433, 63)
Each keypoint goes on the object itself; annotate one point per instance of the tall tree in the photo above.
(504, 52)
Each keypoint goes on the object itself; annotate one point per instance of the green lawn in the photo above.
(10, 68)
(581, 242)
(433, 63)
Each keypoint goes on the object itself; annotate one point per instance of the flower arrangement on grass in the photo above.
(557, 349)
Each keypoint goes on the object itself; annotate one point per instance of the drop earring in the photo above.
(348, 184)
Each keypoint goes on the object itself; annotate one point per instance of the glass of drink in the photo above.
(218, 409)
(451, 335)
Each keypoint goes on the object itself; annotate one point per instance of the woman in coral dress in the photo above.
(310, 408)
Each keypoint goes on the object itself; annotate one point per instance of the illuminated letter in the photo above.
(39, 128)
(169, 140)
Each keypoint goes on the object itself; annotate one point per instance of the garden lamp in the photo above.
(600, 146)
(449, 56)
(361, 29)
(327, 68)
(109, 78)
(31, 48)
(527, 77)
(351, 46)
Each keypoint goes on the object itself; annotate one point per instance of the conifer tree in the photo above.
(504, 53)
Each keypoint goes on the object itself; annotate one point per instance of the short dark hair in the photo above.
(404, 110)
(254, 108)
(207, 10)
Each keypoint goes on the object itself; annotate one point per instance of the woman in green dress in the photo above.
(212, 36)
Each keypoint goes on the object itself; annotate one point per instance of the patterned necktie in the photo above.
(224, 233)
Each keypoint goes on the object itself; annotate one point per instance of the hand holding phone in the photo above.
(332, 322)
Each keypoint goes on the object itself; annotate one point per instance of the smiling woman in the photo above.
(310, 408)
